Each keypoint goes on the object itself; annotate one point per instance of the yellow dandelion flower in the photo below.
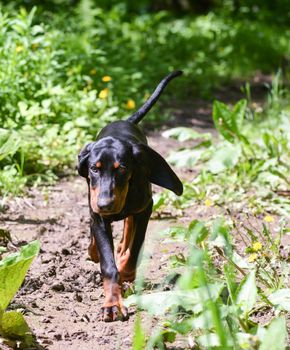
(208, 203)
(19, 48)
(130, 104)
(106, 78)
(257, 246)
(104, 94)
(93, 71)
(268, 218)
(252, 257)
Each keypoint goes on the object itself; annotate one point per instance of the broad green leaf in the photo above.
(275, 337)
(197, 232)
(281, 299)
(9, 143)
(184, 158)
(222, 118)
(13, 269)
(209, 340)
(238, 114)
(205, 319)
(221, 237)
(13, 325)
(224, 158)
(247, 293)
(184, 134)
(160, 302)
(23, 107)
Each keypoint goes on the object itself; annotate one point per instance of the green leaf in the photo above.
(158, 303)
(13, 325)
(247, 293)
(221, 237)
(13, 269)
(205, 319)
(168, 336)
(184, 134)
(224, 158)
(139, 336)
(222, 118)
(197, 232)
(229, 123)
(238, 115)
(281, 299)
(209, 340)
(9, 143)
(158, 200)
(276, 335)
(184, 158)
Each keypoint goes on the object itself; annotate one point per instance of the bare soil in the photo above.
(62, 293)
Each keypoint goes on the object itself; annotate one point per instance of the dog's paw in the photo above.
(114, 313)
(127, 276)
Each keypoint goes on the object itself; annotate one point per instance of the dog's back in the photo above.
(128, 130)
(123, 130)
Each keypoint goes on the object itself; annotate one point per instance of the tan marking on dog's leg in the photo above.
(94, 196)
(93, 250)
(124, 251)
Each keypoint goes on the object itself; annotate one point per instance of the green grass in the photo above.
(248, 168)
(220, 291)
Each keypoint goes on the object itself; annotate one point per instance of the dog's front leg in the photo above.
(113, 308)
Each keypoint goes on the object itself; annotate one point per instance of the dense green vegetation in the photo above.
(64, 74)
(219, 293)
(250, 163)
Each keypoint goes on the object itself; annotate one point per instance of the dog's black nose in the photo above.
(105, 204)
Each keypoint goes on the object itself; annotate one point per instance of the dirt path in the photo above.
(63, 290)
(62, 293)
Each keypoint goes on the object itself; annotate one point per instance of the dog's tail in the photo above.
(137, 116)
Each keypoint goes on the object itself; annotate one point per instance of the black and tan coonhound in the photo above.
(119, 168)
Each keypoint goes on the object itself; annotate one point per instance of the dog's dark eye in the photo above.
(122, 169)
(94, 169)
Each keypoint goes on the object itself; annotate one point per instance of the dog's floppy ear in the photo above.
(160, 172)
(83, 160)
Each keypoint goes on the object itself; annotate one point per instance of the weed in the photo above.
(13, 269)
(219, 292)
(248, 166)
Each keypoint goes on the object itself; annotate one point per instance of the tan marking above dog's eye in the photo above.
(98, 164)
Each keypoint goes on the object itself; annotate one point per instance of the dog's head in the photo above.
(109, 164)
